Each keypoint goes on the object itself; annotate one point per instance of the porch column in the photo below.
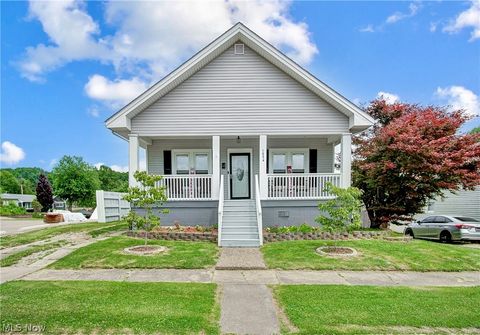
(346, 163)
(133, 147)
(215, 166)
(262, 174)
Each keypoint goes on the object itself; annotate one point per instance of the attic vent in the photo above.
(239, 49)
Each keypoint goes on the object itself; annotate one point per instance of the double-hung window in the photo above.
(191, 161)
(282, 159)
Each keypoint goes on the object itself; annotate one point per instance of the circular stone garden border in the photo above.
(346, 251)
(145, 250)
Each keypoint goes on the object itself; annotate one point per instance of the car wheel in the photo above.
(409, 232)
(445, 237)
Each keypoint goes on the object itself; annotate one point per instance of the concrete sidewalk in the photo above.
(265, 277)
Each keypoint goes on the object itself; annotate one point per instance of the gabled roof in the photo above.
(119, 123)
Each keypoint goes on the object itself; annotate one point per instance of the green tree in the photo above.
(75, 181)
(112, 181)
(343, 212)
(8, 182)
(145, 197)
(475, 130)
(27, 176)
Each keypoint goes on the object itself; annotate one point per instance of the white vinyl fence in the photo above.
(111, 206)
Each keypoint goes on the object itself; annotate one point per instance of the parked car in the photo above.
(445, 228)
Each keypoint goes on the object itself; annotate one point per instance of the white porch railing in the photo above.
(301, 186)
(187, 187)
(258, 205)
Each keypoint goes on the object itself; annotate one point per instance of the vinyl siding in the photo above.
(464, 203)
(239, 94)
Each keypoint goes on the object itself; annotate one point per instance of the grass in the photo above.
(111, 307)
(42, 234)
(415, 255)
(315, 309)
(16, 257)
(109, 254)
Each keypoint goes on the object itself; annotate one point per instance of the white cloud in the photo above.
(116, 92)
(466, 19)
(367, 29)
(150, 38)
(413, 9)
(93, 111)
(459, 97)
(11, 154)
(433, 27)
(72, 37)
(388, 97)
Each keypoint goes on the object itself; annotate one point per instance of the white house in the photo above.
(243, 136)
(21, 200)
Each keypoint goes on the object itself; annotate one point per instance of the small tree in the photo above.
(343, 211)
(145, 197)
(44, 193)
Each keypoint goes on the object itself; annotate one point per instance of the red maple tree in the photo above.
(411, 155)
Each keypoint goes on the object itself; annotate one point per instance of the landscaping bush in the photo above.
(12, 209)
(303, 228)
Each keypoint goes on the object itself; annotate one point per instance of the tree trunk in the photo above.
(70, 205)
(374, 222)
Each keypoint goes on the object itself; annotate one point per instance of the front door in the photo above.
(240, 175)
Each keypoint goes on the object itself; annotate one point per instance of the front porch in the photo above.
(288, 168)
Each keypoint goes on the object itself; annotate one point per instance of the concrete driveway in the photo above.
(11, 226)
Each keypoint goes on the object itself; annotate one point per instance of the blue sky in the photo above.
(67, 66)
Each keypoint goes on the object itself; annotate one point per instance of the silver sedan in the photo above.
(445, 228)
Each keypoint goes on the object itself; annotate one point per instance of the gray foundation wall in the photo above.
(289, 212)
(187, 213)
(204, 213)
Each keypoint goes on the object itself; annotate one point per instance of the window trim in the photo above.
(191, 159)
(289, 152)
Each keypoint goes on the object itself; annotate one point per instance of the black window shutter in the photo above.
(313, 160)
(167, 162)
(267, 158)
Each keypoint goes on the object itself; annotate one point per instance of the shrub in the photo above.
(343, 211)
(12, 209)
(145, 196)
(36, 205)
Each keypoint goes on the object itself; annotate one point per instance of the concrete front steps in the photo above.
(239, 225)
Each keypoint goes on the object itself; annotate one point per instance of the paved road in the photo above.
(10, 226)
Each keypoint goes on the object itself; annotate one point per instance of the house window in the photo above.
(191, 161)
(182, 164)
(280, 159)
(201, 163)
(298, 163)
(279, 163)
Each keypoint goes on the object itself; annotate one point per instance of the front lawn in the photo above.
(111, 307)
(328, 309)
(415, 255)
(109, 253)
(16, 257)
(92, 228)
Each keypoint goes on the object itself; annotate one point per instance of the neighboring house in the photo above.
(243, 136)
(464, 203)
(21, 200)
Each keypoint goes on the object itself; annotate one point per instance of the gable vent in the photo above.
(239, 49)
